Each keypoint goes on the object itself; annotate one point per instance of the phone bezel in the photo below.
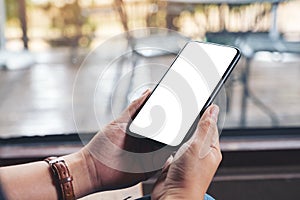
(206, 105)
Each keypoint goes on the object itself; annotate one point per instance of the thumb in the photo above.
(128, 113)
(206, 134)
(208, 120)
(167, 164)
(212, 112)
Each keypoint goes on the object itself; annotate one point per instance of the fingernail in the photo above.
(168, 162)
(146, 91)
(170, 159)
(214, 112)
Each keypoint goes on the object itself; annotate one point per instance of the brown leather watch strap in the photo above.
(63, 177)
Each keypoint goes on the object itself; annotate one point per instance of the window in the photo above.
(262, 93)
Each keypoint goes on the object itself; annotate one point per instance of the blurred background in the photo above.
(43, 43)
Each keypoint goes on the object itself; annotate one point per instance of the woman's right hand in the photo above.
(189, 173)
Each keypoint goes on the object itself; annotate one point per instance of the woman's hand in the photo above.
(189, 173)
(97, 166)
(108, 154)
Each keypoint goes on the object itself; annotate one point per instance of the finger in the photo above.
(132, 108)
(208, 121)
(147, 90)
(206, 126)
(211, 112)
(167, 164)
(204, 123)
(206, 135)
(216, 152)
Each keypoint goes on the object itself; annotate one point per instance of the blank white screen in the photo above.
(173, 106)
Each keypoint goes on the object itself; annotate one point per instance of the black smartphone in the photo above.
(189, 86)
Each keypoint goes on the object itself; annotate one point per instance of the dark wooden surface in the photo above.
(245, 173)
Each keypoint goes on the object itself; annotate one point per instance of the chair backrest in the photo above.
(119, 4)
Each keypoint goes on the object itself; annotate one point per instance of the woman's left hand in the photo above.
(109, 154)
